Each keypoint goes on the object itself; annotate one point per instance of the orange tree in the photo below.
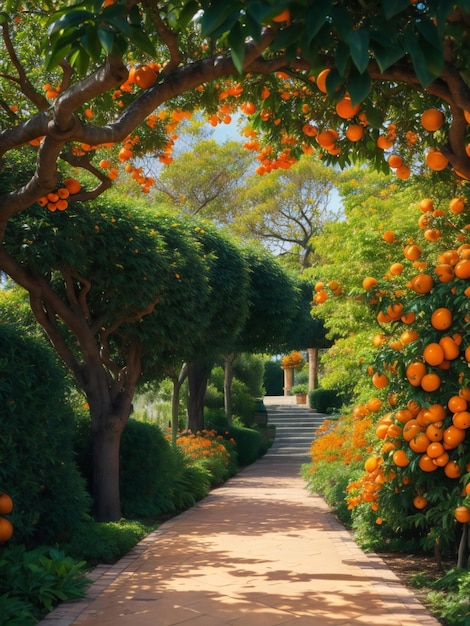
(419, 473)
(108, 82)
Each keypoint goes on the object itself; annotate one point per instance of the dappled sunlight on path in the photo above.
(258, 551)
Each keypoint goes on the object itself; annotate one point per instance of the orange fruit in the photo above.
(345, 108)
(403, 415)
(426, 204)
(462, 514)
(415, 373)
(326, 138)
(422, 283)
(457, 205)
(369, 282)
(452, 469)
(379, 380)
(419, 443)
(432, 119)
(433, 354)
(452, 437)
(441, 318)
(462, 269)
(450, 348)
(431, 382)
(6, 504)
(435, 449)
(412, 252)
(395, 160)
(374, 404)
(464, 392)
(403, 172)
(461, 419)
(389, 236)
(432, 234)
(436, 160)
(145, 76)
(72, 184)
(371, 464)
(442, 460)
(319, 286)
(354, 132)
(408, 336)
(434, 433)
(456, 404)
(400, 459)
(426, 464)
(419, 502)
(321, 80)
(384, 142)
(411, 429)
(6, 529)
(408, 318)
(444, 272)
(396, 269)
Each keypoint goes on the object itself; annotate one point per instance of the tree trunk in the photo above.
(228, 378)
(312, 368)
(462, 560)
(175, 401)
(106, 495)
(198, 375)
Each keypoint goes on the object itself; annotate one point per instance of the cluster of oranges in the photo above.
(6, 527)
(58, 200)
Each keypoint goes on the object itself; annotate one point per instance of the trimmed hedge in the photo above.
(324, 400)
(37, 463)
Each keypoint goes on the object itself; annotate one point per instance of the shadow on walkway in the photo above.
(258, 551)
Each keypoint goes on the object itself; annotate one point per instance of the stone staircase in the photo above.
(295, 428)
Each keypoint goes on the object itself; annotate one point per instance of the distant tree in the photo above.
(204, 181)
(285, 209)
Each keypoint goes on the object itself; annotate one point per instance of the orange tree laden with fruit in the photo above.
(419, 472)
(108, 82)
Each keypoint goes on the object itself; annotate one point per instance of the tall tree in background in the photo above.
(287, 208)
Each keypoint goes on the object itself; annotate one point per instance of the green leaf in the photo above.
(80, 61)
(187, 13)
(259, 11)
(342, 57)
(418, 57)
(358, 85)
(358, 41)
(342, 21)
(106, 39)
(236, 41)
(333, 81)
(315, 18)
(4, 17)
(386, 56)
(142, 42)
(70, 20)
(55, 56)
(91, 43)
(393, 7)
(219, 18)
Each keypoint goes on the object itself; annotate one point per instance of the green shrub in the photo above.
(105, 542)
(323, 400)
(37, 466)
(273, 378)
(33, 582)
(243, 403)
(214, 398)
(248, 442)
(154, 477)
(249, 369)
(329, 480)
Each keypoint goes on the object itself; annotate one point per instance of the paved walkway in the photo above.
(258, 551)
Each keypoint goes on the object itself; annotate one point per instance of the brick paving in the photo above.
(258, 551)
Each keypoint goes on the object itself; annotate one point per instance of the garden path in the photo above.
(258, 551)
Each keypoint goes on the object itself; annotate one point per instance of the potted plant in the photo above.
(300, 392)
